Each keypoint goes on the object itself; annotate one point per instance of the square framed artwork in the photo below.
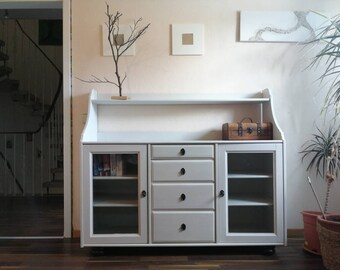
(187, 39)
(123, 35)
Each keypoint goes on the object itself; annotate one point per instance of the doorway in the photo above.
(32, 201)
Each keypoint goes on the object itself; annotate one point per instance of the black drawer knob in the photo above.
(183, 227)
(143, 193)
(222, 193)
(182, 152)
(182, 171)
(183, 197)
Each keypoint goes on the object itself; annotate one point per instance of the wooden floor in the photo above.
(67, 254)
(27, 216)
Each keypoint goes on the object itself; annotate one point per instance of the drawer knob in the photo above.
(182, 152)
(222, 193)
(183, 227)
(182, 171)
(143, 193)
(183, 197)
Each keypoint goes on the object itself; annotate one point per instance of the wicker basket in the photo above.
(330, 247)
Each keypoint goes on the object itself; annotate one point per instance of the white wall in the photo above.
(226, 66)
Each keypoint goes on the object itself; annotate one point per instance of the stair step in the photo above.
(38, 106)
(8, 85)
(57, 170)
(5, 71)
(24, 98)
(3, 56)
(55, 183)
(56, 186)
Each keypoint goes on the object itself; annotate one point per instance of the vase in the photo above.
(329, 235)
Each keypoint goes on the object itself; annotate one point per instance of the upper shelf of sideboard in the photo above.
(105, 99)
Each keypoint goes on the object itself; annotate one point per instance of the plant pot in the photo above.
(329, 235)
(311, 243)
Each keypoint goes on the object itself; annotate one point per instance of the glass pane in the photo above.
(115, 193)
(250, 192)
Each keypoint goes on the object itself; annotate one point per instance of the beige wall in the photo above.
(226, 66)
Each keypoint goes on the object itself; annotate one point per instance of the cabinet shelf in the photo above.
(249, 201)
(249, 176)
(115, 178)
(145, 99)
(102, 202)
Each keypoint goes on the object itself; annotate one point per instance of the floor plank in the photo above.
(67, 254)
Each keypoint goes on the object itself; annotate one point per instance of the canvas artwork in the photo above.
(279, 26)
(187, 39)
(124, 33)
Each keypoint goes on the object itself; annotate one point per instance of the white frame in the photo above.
(178, 48)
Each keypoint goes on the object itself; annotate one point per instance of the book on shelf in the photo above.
(106, 165)
(95, 165)
(119, 165)
(113, 164)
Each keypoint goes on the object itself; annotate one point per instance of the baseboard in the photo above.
(291, 233)
(295, 233)
(76, 234)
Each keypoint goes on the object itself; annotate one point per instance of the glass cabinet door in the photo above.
(115, 194)
(250, 193)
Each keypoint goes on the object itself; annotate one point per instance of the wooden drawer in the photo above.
(183, 227)
(183, 196)
(182, 151)
(182, 170)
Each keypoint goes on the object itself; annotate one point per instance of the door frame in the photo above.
(67, 94)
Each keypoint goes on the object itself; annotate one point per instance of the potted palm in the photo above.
(322, 154)
(323, 149)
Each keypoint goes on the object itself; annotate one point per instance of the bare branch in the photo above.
(118, 48)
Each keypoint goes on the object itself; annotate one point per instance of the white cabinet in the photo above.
(250, 193)
(114, 194)
(145, 185)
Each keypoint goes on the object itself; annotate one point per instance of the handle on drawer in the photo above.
(221, 193)
(182, 171)
(143, 193)
(183, 197)
(182, 152)
(183, 227)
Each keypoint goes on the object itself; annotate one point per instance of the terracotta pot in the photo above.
(329, 235)
(312, 243)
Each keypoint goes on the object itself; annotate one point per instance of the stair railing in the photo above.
(40, 147)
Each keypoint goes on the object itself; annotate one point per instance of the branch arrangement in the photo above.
(118, 46)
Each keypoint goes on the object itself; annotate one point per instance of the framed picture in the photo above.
(187, 39)
(121, 37)
(279, 26)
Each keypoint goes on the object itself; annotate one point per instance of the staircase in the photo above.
(37, 129)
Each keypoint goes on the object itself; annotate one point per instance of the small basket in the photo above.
(330, 247)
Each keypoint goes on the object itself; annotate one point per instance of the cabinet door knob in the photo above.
(182, 171)
(182, 152)
(183, 197)
(183, 227)
(143, 193)
(222, 193)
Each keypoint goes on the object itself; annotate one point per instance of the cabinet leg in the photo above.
(269, 250)
(97, 251)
